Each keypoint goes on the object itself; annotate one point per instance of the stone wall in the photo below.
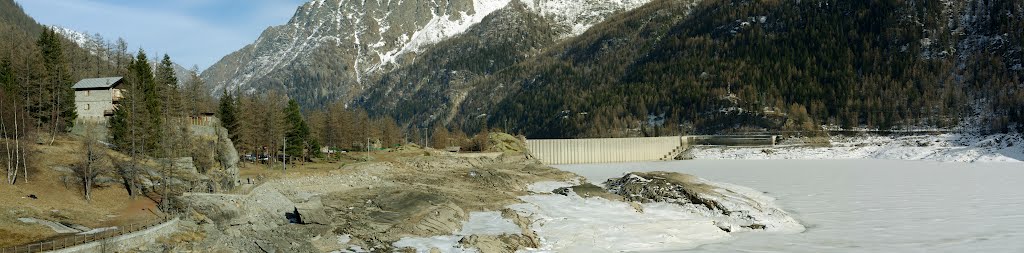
(91, 104)
(126, 242)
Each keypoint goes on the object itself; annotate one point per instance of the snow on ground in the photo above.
(548, 186)
(945, 147)
(479, 223)
(576, 224)
(866, 205)
(753, 205)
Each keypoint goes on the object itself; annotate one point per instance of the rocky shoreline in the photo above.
(447, 203)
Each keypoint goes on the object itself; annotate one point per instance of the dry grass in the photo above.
(322, 167)
(63, 203)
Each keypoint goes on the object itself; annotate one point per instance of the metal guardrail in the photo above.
(64, 242)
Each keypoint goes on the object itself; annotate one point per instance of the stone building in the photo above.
(96, 98)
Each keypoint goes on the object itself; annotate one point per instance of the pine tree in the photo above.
(57, 104)
(126, 125)
(228, 113)
(148, 106)
(297, 132)
(167, 87)
(120, 126)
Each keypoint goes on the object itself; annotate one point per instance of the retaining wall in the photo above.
(606, 150)
(126, 242)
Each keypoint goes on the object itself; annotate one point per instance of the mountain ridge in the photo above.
(627, 68)
(367, 39)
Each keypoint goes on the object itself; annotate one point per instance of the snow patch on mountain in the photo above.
(370, 37)
(79, 38)
(442, 27)
(576, 16)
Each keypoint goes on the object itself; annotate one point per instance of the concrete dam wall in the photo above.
(607, 150)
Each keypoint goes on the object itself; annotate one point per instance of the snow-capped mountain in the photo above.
(336, 48)
(528, 65)
(79, 38)
(93, 43)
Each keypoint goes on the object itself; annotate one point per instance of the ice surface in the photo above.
(445, 243)
(864, 205)
(946, 148)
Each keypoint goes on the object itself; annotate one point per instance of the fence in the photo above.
(69, 241)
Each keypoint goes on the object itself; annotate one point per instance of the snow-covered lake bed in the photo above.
(866, 205)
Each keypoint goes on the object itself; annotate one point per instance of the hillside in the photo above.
(14, 17)
(59, 199)
(750, 65)
(442, 75)
(666, 67)
(339, 50)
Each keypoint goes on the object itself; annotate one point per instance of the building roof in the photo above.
(96, 83)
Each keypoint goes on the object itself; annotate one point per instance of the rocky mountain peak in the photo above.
(334, 49)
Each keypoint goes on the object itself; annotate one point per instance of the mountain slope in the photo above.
(555, 69)
(11, 14)
(339, 49)
(751, 65)
(438, 78)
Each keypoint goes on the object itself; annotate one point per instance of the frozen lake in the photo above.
(867, 205)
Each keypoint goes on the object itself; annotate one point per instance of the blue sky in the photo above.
(192, 32)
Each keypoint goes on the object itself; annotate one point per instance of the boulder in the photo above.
(105, 181)
(62, 169)
(180, 165)
(312, 212)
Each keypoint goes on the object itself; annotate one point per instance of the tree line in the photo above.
(273, 125)
(36, 75)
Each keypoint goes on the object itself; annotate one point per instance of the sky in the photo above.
(192, 32)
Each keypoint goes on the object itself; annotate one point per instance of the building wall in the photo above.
(91, 104)
(607, 150)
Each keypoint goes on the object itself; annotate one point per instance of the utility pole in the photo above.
(284, 155)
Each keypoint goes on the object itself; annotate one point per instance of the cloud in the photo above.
(190, 31)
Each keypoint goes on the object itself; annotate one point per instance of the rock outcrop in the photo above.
(228, 155)
(733, 208)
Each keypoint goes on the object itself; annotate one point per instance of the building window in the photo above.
(86, 107)
(86, 94)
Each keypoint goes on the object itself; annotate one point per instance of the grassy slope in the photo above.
(58, 202)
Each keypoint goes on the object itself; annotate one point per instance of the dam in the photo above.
(637, 149)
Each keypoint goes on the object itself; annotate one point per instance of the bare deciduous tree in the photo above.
(92, 164)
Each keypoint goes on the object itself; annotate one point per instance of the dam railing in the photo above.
(636, 149)
(105, 239)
